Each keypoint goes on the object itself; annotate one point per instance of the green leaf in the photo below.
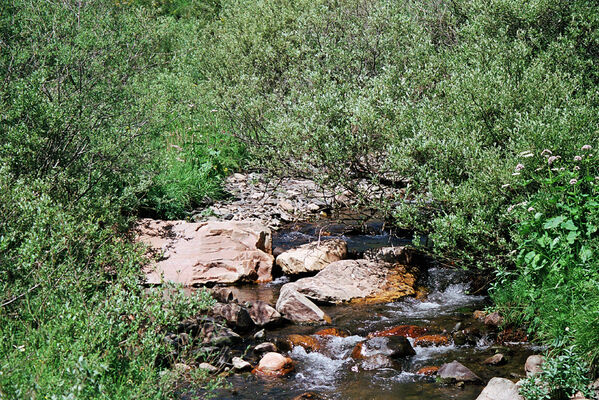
(585, 254)
(569, 225)
(554, 222)
(572, 236)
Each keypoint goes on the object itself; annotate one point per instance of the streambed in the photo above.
(331, 371)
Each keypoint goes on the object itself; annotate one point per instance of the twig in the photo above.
(31, 289)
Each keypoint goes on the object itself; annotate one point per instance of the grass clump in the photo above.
(82, 130)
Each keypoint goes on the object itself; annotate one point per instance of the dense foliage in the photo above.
(439, 96)
(114, 109)
(89, 93)
(439, 100)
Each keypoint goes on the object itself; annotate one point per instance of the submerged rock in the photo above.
(274, 364)
(296, 307)
(497, 359)
(312, 257)
(411, 331)
(428, 371)
(376, 361)
(362, 280)
(209, 252)
(431, 340)
(307, 342)
(456, 372)
(332, 332)
(500, 389)
(394, 347)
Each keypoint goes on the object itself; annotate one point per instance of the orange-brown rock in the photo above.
(411, 331)
(208, 252)
(431, 340)
(307, 342)
(479, 314)
(357, 351)
(274, 364)
(427, 371)
(332, 332)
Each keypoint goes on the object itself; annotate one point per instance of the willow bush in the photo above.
(435, 97)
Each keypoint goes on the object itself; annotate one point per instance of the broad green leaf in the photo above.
(569, 225)
(554, 222)
(572, 236)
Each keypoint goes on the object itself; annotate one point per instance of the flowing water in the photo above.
(332, 372)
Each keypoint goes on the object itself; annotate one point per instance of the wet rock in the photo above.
(456, 372)
(332, 332)
(393, 255)
(262, 313)
(307, 342)
(534, 364)
(236, 316)
(411, 331)
(208, 367)
(296, 307)
(578, 396)
(274, 364)
(394, 347)
(376, 361)
(493, 319)
(266, 347)
(260, 334)
(497, 359)
(287, 206)
(428, 371)
(358, 280)
(312, 256)
(240, 365)
(431, 340)
(222, 294)
(500, 389)
(209, 252)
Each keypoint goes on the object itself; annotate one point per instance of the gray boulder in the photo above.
(500, 389)
(457, 372)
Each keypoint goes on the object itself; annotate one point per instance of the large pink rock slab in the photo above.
(208, 252)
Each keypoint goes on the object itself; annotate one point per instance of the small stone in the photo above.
(239, 364)
(208, 367)
(180, 367)
(497, 359)
(260, 334)
(286, 205)
(266, 347)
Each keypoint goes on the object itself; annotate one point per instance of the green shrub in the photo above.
(78, 132)
(437, 97)
(554, 290)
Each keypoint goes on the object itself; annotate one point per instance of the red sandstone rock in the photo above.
(431, 340)
(209, 252)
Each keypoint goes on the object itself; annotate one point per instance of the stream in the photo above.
(330, 371)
